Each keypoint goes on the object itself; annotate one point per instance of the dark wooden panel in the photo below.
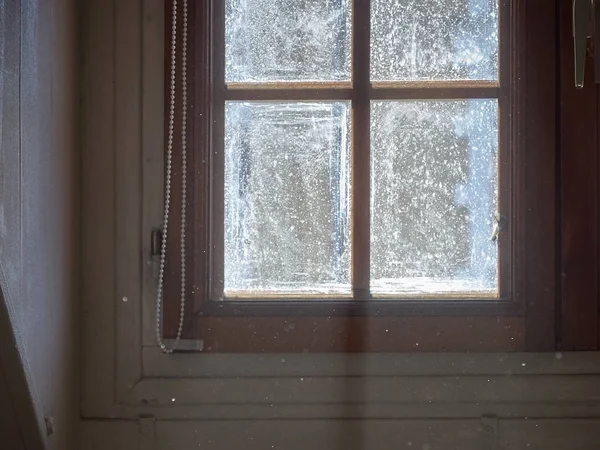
(260, 307)
(362, 334)
(200, 146)
(578, 198)
(536, 176)
(217, 165)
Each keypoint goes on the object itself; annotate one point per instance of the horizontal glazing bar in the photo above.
(406, 91)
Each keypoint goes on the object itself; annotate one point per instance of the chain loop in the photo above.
(171, 133)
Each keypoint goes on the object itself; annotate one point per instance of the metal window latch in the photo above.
(186, 345)
(155, 246)
(584, 13)
(155, 241)
(500, 224)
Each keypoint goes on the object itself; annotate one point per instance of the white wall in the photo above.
(38, 203)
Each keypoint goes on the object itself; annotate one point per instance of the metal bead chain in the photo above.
(163, 248)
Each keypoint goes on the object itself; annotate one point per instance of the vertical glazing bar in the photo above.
(506, 105)
(361, 160)
(596, 32)
(218, 144)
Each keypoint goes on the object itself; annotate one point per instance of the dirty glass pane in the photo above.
(287, 201)
(434, 179)
(434, 40)
(287, 40)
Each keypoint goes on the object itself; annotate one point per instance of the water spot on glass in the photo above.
(523, 364)
(173, 399)
(125, 299)
(558, 355)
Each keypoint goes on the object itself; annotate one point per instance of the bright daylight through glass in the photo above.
(434, 163)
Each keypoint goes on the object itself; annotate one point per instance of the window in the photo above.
(400, 105)
(361, 181)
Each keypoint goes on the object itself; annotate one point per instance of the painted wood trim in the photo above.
(97, 208)
(365, 390)
(128, 193)
(421, 434)
(153, 39)
(192, 365)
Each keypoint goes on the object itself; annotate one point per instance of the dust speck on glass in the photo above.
(434, 163)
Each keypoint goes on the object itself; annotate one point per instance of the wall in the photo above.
(38, 214)
(9, 426)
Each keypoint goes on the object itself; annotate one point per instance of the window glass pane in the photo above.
(287, 201)
(434, 181)
(434, 40)
(287, 40)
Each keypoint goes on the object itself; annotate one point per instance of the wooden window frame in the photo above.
(578, 137)
(522, 319)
